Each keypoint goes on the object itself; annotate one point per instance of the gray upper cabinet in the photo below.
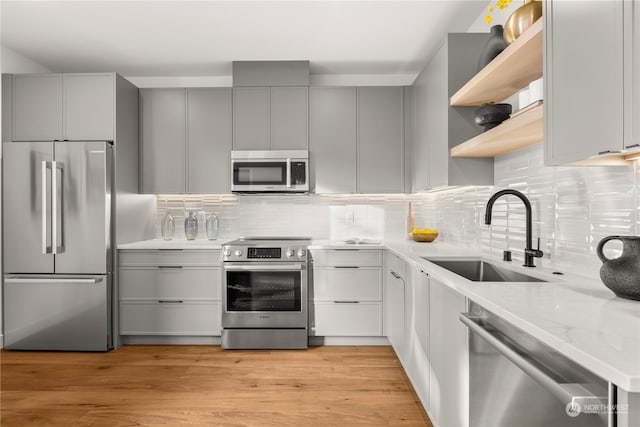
(271, 118)
(89, 106)
(332, 144)
(584, 92)
(209, 139)
(7, 114)
(289, 118)
(75, 107)
(162, 139)
(251, 121)
(37, 107)
(380, 139)
(439, 127)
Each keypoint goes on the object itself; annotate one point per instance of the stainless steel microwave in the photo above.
(272, 171)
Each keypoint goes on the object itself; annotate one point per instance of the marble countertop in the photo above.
(577, 316)
(198, 244)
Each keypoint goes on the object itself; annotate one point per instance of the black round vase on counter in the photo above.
(491, 115)
(495, 45)
(622, 274)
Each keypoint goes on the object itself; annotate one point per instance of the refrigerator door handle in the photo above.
(57, 244)
(92, 281)
(45, 213)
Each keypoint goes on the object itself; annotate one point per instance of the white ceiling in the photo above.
(201, 38)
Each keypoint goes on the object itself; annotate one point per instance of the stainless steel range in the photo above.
(264, 292)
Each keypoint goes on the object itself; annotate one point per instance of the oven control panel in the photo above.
(259, 253)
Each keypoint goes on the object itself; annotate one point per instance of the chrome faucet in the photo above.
(529, 252)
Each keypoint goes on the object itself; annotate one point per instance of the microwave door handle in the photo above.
(288, 173)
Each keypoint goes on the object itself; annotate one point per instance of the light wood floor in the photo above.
(206, 386)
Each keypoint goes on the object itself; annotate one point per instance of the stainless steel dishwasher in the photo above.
(515, 380)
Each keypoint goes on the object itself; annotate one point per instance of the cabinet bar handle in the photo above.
(170, 266)
(632, 146)
(347, 302)
(396, 275)
(165, 249)
(164, 301)
(608, 152)
(346, 266)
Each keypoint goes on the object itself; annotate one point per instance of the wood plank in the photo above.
(512, 134)
(204, 385)
(514, 68)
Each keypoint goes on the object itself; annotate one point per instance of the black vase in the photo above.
(495, 45)
(491, 115)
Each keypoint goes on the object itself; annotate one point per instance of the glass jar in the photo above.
(168, 226)
(212, 226)
(191, 226)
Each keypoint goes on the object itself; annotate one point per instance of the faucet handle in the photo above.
(537, 253)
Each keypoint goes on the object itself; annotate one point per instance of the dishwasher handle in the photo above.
(567, 393)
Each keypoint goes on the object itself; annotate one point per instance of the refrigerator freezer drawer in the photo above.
(69, 313)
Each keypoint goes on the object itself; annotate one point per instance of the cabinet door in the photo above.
(448, 380)
(395, 312)
(436, 120)
(7, 120)
(37, 107)
(417, 335)
(289, 118)
(162, 140)
(89, 106)
(359, 319)
(380, 140)
(251, 119)
(332, 144)
(209, 140)
(584, 80)
(632, 74)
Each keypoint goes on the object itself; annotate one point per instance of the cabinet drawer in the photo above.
(347, 284)
(181, 283)
(152, 258)
(347, 257)
(347, 319)
(153, 318)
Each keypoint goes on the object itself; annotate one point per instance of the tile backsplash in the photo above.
(574, 207)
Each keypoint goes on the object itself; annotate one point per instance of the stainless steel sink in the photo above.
(478, 270)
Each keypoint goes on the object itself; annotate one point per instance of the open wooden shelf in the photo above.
(517, 132)
(514, 68)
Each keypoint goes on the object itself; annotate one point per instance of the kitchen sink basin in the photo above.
(478, 270)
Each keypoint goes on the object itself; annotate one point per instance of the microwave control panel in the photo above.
(298, 173)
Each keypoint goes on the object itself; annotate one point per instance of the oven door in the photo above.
(265, 295)
(260, 175)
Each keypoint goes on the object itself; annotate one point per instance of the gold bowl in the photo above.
(521, 19)
(424, 237)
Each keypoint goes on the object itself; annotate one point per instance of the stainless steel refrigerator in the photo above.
(57, 219)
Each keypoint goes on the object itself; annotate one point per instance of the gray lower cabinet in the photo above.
(73, 107)
(448, 357)
(380, 139)
(417, 337)
(37, 107)
(209, 140)
(439, 127)
(89, 106)
(347, 293)
(162, 140)
(186, 140)
(170, 293)
(251, 120)
(584, 91)
(332, 139)
(271, 118)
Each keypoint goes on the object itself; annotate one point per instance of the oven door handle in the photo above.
(567, 393)
(255, 267)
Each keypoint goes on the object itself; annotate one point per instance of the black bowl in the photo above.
(490, 116)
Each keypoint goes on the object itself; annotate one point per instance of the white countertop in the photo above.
(579, 317)
(197, 244)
